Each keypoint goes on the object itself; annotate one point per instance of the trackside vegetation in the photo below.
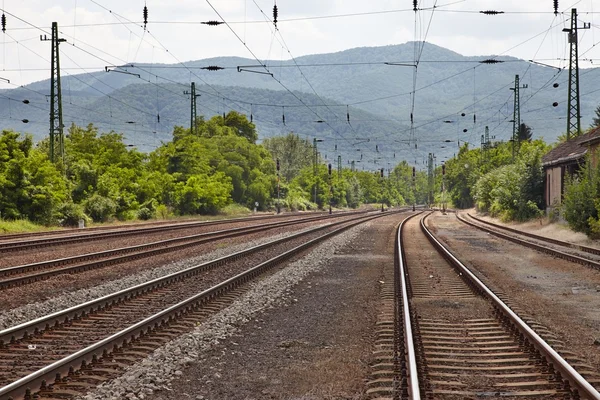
(217, 168)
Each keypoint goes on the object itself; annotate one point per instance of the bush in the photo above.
(145, 214)
(100, 208)
(70, 214)
(234, 210)
(163, 212)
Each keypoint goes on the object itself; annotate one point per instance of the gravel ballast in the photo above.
(32, 311)
(156, 373)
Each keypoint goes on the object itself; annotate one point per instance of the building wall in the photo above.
(554, 182)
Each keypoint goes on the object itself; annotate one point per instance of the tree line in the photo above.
(219, 163)
(199, 171)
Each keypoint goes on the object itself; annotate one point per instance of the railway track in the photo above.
(453, 338)
(585, 255)
(68, 352)
(8, 245)
(34, 272)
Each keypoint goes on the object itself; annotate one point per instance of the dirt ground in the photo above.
(561, 295)
(317, 346)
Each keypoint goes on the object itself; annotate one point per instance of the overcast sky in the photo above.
(96, 37)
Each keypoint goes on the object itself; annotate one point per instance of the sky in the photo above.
(110, 32)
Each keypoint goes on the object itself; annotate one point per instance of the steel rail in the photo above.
(91, 353)
(576, 381)
(535, 246)
(124, 253)
(43, 323)
(45, 242)
(586, 249)
(411, 369)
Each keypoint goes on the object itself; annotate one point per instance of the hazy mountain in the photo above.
(447, 85)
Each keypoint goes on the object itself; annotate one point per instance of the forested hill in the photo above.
(448, 83)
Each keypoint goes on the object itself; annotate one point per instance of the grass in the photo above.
(21, 225)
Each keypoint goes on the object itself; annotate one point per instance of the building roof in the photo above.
(572, 150)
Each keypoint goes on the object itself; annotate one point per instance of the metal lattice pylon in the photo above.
(516, 116)
(573, 113)
(430, 179)
(56, 115)
(193, 109)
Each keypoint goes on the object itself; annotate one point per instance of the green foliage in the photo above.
(293, 153)
(100, 208)
(596, 118)
(514, 191)
(20, 225)
(524, 133)
(70, 214)
(580, 213)
(234, 210)
(203, 194)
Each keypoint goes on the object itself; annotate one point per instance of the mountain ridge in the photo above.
(354, 81)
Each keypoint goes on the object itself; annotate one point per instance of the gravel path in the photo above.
(157, 371)
(32, 311)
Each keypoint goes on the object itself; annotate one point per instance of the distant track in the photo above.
(565, 250)
(83, 235)
(30, 273)
(66, 359)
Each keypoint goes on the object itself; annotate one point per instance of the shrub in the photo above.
(163, 212)
(577, 209)
(100, 208)
(70, 214)
(145, 213)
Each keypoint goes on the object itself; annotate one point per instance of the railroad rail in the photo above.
(586, 249)
(22, 274)
(83, 236)
(79, 369)
(468, 343)
(566, 251)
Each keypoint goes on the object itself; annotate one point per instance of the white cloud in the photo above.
(464, 32)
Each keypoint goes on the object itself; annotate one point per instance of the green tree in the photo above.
(596, 118)
(293, 153)
(524, 133)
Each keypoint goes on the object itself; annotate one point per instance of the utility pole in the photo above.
(516, 115)
(352, 166)
(414, 187)
(278, 197)
(330, 190)
(382, 186)
(430, 181)
(573, 110)
(340, 167)
(193, 114)
(485, 145)
(56, 116)
(443, 188)
(316, 166)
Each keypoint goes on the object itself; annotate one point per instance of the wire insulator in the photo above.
(213, 23)
(347, 114)
(490, 61)
(213, 68)
(158, 118)
(3, 22)
(145, 17)
(555, 7)
(415, 5)
(491, 12)
(275, 15)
